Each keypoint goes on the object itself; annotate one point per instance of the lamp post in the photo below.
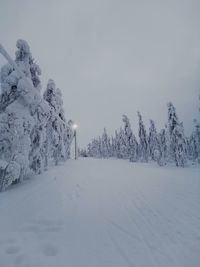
(75, 126)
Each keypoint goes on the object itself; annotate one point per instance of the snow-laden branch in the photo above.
(11, 62)
(15, 67)
(26, 85)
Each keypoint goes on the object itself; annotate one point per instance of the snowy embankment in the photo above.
(105, 213)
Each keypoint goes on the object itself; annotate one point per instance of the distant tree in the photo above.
(56, 125)
(170, 145)
(68, 138)
(115, 145)
(105, 145)
(160, 154)
(153, 140)
(94, 148)
(177, 149)
(143, 145)
(121, 145)
(112, 146)
(131, 145)
(195, 141)
(83, 153)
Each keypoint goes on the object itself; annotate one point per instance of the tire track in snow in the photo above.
(123, 230)
(148, 228)
(142, 238)
(173, 221)
(121, 251)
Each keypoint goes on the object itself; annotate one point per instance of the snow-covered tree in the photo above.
(16, 121)
(83, 153)
(105, 145)
(177, 149)
(38, 108)
(27, 119)
(121, 145)
(68, 138)
(195, 141)
(38, 154)
(9, 81)
(114, 145)
(131, 145)
(172, 118)
(143, 145)
(153, 140)
(58, 131)
(195, 144)
(94, 148)
(170, 145)
(160, 154)
(180, 146)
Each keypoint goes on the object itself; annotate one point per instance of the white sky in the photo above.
(111, 57)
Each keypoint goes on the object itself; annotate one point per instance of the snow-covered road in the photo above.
(103, 213)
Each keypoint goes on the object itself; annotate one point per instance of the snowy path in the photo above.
(103, 213)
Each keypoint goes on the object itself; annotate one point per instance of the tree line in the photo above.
(34, 132)
(169, 145)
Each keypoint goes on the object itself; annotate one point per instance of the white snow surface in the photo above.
(103, 213)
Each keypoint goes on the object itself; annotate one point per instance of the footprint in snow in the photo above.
(43, 226)
(49, 250)
(12, 250)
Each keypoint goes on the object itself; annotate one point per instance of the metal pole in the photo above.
(76, 148)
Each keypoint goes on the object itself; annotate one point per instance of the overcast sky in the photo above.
(111, 57)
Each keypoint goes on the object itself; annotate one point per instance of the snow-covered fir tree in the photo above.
(16, 122)
(105, 145)
(177, 146)
(153, 140)
(143, 144)
(58, 131)
(115, 145)
(121, 145)
(94, 148)
(68, 138)
(160, 154)
(24, 119)
(194, 141)
(170, 145)
(131, 145)
(83, 153)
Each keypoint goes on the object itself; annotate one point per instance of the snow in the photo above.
(103, 213)
(3, 164)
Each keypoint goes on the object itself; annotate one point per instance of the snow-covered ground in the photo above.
(105, 213)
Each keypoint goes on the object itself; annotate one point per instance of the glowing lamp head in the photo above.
(74, 126)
